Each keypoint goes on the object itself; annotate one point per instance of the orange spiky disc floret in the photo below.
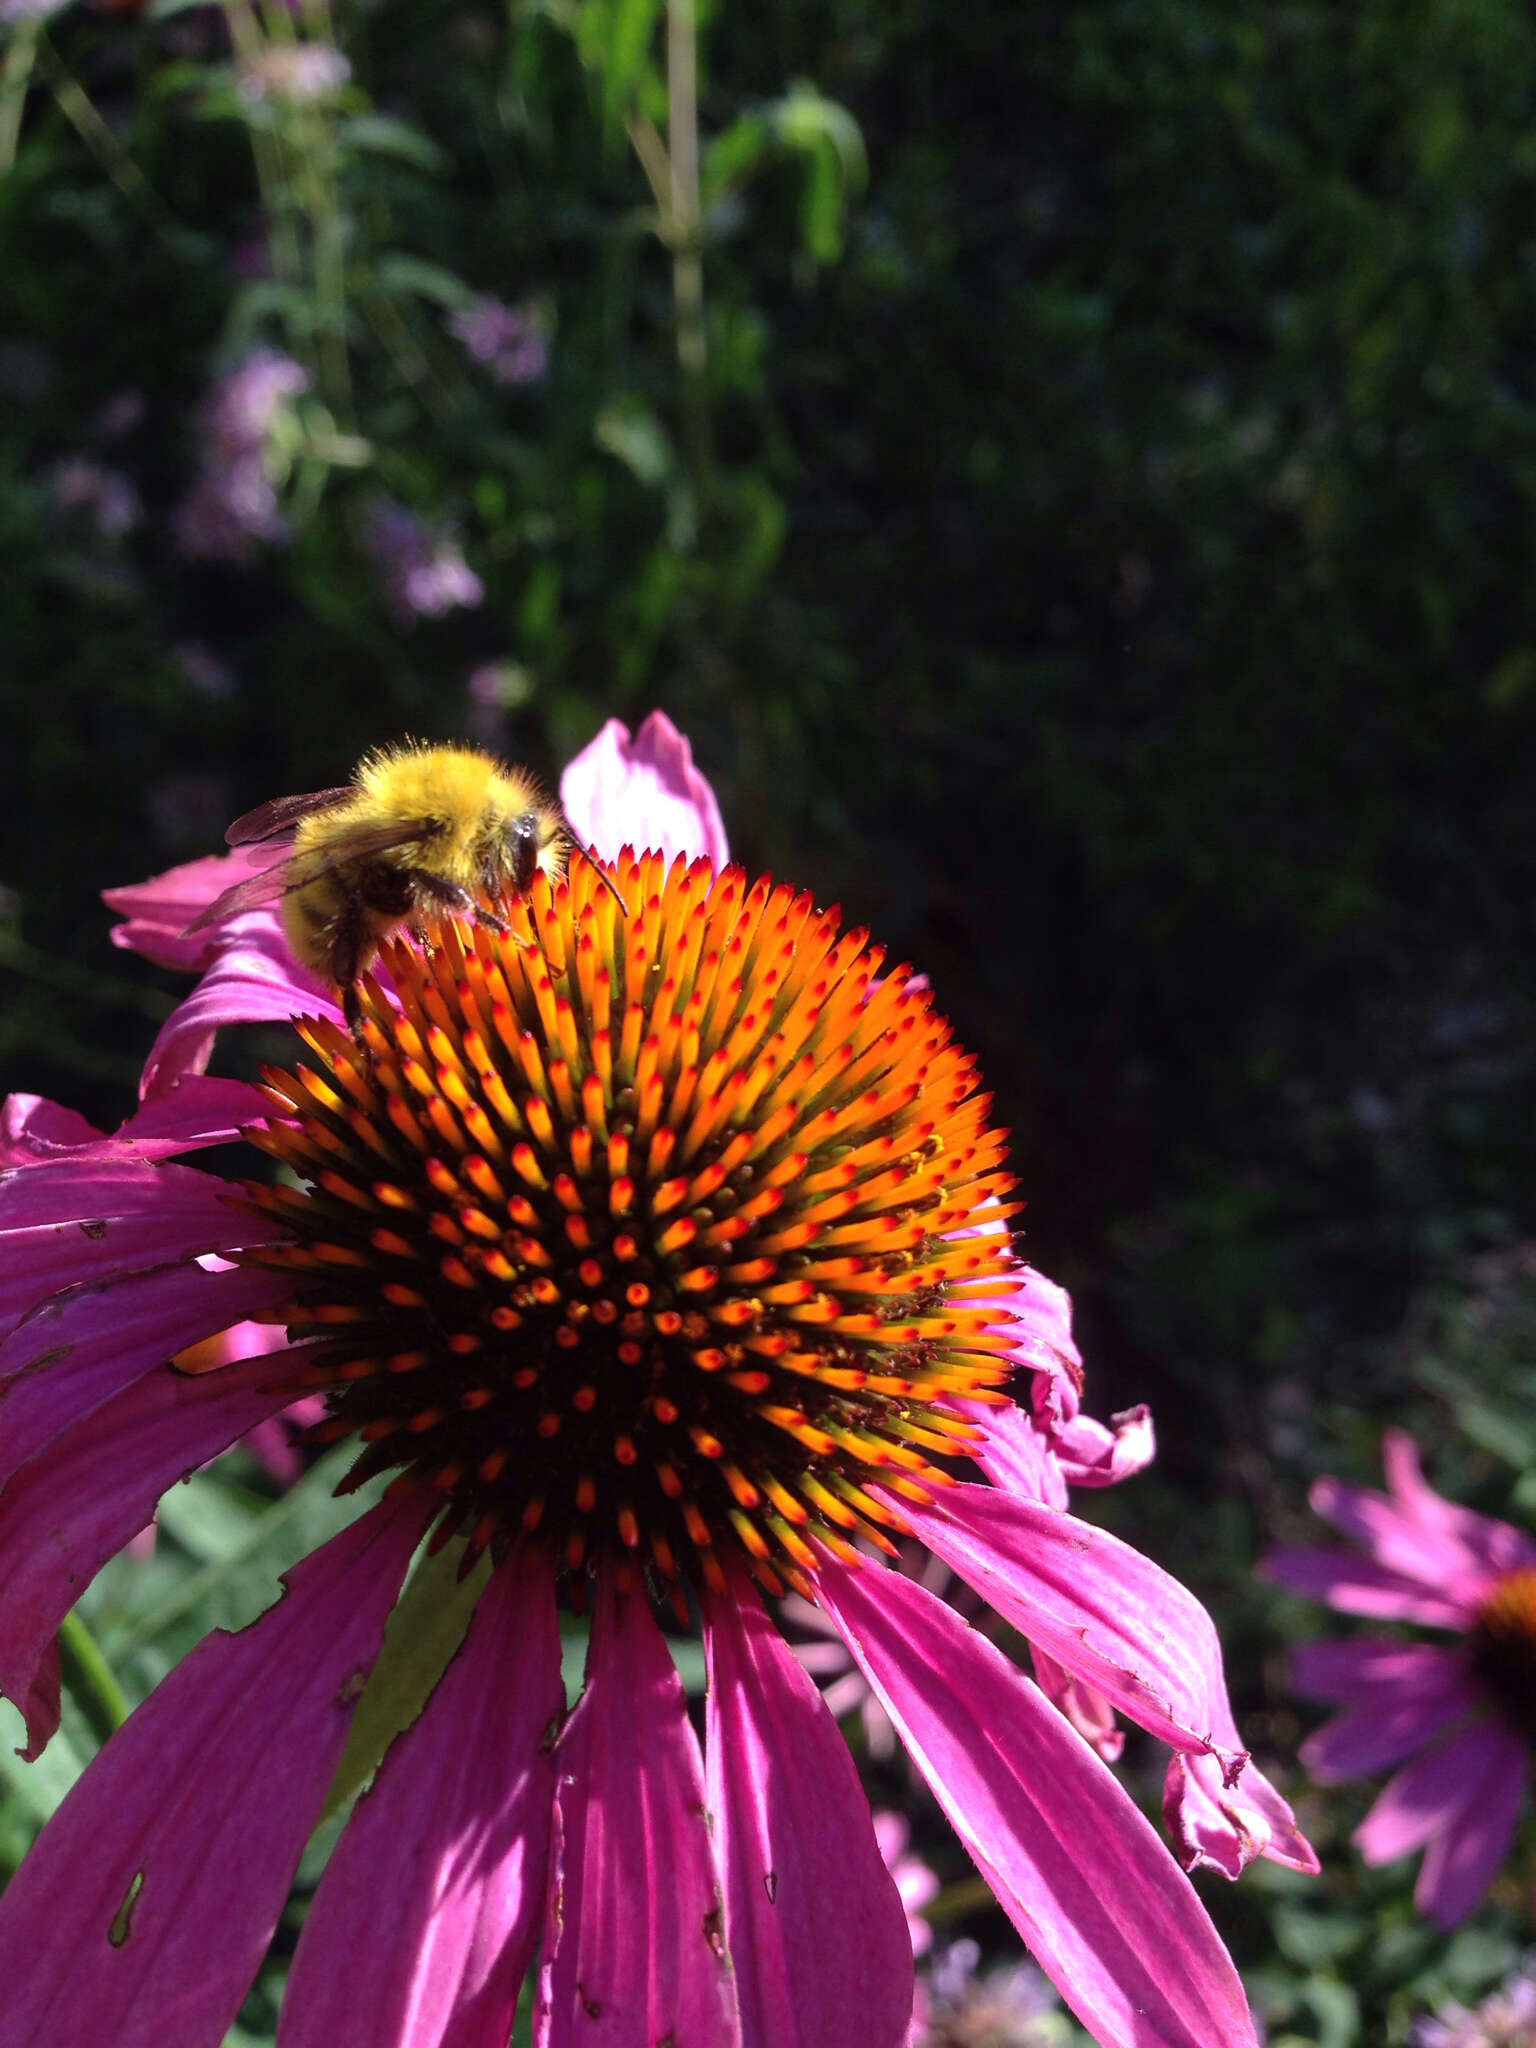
(636, 1234)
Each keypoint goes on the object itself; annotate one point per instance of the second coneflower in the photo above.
(656, 1256)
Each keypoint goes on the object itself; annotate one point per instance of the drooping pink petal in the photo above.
(1354, 1585)
(1127, 1629)
(817, 1931)
(1088, 1711)
(253, 979)
(1105, 1910)
(634, 1947)
(440, 1872)
(74, 1223)
(66, 1511)
(77, 1351)
(1092, 1455)
(1399, 1709)
(1428, 1793)
(142, 1911)
(1487, 1546)
(1463, 1859)
(158, 911)
(643, 791)
(1016, 1455)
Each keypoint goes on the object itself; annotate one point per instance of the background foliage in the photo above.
(1070, 470)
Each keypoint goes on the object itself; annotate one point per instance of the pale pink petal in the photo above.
(1092, 1455)
(141, 1913)
(1360, 1664)
(253, 979)
(64, 1225)
(1354, 1585)
(817, 1932)
(1487, 1546)
(439, 1875)
(1124, 1627)
(76, 1504)
(1088, 1711)
(1463, 1860)
(1103, 1907)
(634, 1948)
(76, 1352)
(643, 792)
(1431, 1793)
(158, 911)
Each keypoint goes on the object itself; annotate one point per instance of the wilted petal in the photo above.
(816, 1926)
(1016, 1455)
(76, 1504)
(1355, 1585)
(254, 979)
(89, 1222)
(140, 1915)
(634, 1949)
(75, 1353)
(1092, 1455)
(1105, 1910)
(440, 1872)
(643, 792)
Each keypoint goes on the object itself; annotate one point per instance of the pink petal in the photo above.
(1091, 1455)
(158, 911)
(1356, 1586)
(1463, 1860)
(634, 1949)
(1360, 1664)
(1486, 1546)
(815, 1923)
(76, 1504)
(1124, 1627)
(1430, 1793)
(441, 1869)
(1398, 1709)
(1088, 1711)
(143, 1910)
(643, 792)
(1103, 1907)
(1016, 1454)
(69, 1224)
(76, 1352)
(1426, 1556)
(253, 979)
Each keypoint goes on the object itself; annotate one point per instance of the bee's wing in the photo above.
(281, 814)
(284, 876)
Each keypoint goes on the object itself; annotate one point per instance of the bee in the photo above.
(418, 829)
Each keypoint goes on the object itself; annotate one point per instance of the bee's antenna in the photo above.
(602, 874)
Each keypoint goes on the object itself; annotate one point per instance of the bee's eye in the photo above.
(523, 842)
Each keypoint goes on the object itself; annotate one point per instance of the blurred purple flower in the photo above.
(30, 10)
(233, 502)
(1012, 2006)
(505, 340)
(104, 496)
(298, 74)
(423, 574)
(1505, 2019)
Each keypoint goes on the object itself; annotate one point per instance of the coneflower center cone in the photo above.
(652, 1235)
(1503, 1643)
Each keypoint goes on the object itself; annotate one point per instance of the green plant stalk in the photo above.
(88, 1679)
(20, 56)
(245, 34)
(685, 236)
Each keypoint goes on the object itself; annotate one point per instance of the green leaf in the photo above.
(400, 276)
(378, 135)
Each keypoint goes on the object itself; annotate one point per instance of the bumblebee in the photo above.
(418, 830)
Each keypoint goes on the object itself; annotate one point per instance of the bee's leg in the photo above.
(352, 1010)
(347, 944)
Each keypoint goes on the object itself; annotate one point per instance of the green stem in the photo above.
(14, 79)
(687, 241)
(89, 1681)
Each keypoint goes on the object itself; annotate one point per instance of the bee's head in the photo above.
(532, 842)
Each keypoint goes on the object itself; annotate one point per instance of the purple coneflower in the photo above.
(1463, 1713)
(656, 1256)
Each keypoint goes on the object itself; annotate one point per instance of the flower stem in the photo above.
(686, 238)
(88, 1679)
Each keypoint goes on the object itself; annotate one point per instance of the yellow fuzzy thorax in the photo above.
(470, 796)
